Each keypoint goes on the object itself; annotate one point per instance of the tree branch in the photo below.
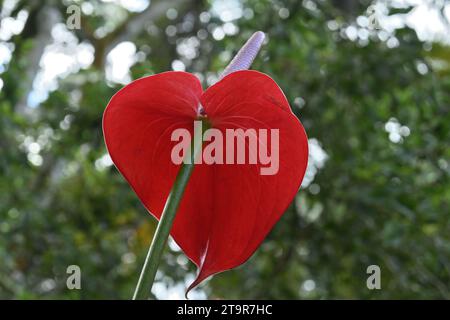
(131, 27)
(48, 16)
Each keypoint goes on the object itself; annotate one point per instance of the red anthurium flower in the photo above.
(227, 209)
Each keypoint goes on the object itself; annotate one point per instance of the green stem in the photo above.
(159, 241)
(242, 61)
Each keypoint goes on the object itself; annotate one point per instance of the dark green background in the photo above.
(375, 200)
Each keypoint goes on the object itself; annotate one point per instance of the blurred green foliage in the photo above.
(378, 104)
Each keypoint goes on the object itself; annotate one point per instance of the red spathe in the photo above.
(227, 209)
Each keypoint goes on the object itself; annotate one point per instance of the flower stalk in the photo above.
(154, 254)
(241, 61)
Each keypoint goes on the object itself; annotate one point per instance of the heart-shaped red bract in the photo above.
(227, 209)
